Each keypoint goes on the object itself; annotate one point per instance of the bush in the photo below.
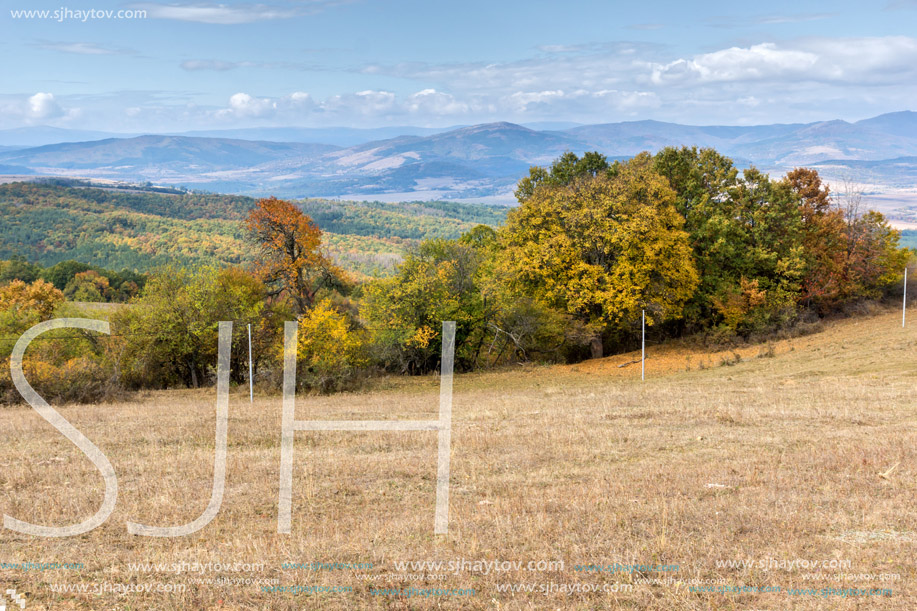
(62, 365)
(330, 354)
(82, 379)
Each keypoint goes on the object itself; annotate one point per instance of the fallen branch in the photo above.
(629, 363)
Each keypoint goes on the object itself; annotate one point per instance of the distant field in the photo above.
(119, 229)
(800, 451)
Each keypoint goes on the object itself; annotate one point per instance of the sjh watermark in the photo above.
(443, 426)
(66, 13)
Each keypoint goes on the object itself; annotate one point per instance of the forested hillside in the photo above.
(49, 222)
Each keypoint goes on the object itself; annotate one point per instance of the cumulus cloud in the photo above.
(757, 62)
(851, 61)
(43, 106)
(245, 106)
(431, 102)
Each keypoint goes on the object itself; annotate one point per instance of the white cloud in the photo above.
(368, 103)
(43, 106)
(561, 67)
(220, 14)
(888, 60)
(245, 106)
(762, 61)
(741, 21)
(300, 98)
(431, 102)
(523, 99)
(841, 60)
(193, 65)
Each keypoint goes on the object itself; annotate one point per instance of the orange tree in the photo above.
(290, 260)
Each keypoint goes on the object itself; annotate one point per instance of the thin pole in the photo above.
(904, 300)
(251, 384)
(643, 347)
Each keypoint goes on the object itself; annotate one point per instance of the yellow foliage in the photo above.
(329, 351)
(421, 337)
(737, 304)
(604, 248)
(40, 298)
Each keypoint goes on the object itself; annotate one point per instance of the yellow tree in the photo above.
(604, 247)
(38, 299)
(290, 260)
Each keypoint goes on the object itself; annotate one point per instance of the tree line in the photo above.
(681, 235)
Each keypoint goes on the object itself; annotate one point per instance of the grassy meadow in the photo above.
(782, 455)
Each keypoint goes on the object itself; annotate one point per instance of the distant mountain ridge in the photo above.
(478, 161)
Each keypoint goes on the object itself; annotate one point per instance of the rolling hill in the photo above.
(145, 155)
(51, 222)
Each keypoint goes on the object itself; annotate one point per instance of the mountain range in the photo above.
(480, 162)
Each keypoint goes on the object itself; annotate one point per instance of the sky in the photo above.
(150, 66)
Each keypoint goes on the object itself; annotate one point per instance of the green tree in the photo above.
(88, 286)
(746, 234)
(171, 331)
(18, 268)
(565, 170)
(60, 274)
(441, 280)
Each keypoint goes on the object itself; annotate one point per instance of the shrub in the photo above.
(330, 353)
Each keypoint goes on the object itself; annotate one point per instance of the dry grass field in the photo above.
(784, 456)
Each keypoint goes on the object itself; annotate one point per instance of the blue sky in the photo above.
(368, 63)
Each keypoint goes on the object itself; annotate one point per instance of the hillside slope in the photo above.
(854, 345)
(48, 223)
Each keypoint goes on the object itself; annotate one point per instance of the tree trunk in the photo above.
(595, 345)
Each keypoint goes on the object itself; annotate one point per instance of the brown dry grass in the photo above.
(582, 464)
